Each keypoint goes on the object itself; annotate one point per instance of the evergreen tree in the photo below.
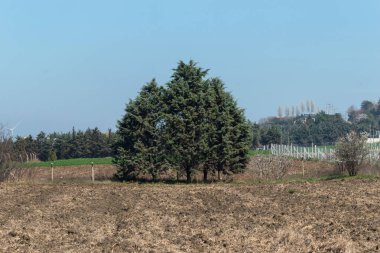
(43, 147)
(272, 135)
(185, 117)
(141, 147)
(241, 138)
(229, 136)
(191, 125)
(256, 136)
(218, 134)
(52, 155)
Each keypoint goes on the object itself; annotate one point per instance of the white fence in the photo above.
(314, 152)
(303, 152)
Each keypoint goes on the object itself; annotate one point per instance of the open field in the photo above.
(100, 161)
(246, 215)
(299, 170)
(71, 162)
(328, 216)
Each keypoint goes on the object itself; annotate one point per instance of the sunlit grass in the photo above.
(70, 162)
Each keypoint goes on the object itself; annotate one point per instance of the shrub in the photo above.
(52, 155)
(351, 151)
(272, 167)
(5, 154)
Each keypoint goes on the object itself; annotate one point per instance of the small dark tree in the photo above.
(256, 136)
(43, 147)
(52, 155)
(271, 136)
(367, 105)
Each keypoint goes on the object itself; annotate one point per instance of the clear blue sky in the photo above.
(66, 63)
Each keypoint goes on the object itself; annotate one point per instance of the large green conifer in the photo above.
(192, 125)
(228, 136)
(185, 117)
(140, 148)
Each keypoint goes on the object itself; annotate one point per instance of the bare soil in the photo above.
(328, 216)
(82, 173)
(65, 173)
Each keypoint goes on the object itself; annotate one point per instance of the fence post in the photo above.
(303, 169)
(52, 172)
(92, 172)
(316, 152)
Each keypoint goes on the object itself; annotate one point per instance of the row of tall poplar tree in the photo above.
(192, 124)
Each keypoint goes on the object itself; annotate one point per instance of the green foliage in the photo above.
(256, 135)
(271, 135)
(52, 155)
(367, 118)
(258, 152)
(185, 117)
(228, 132)
(70, 162)
(141, 147)
(43, 147)
(192, 124)
(318, 129)
(91, 143)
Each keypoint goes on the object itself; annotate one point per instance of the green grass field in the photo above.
(108, 160)
(258, 152)
(327, 147)
(103, 161)
(71, 162)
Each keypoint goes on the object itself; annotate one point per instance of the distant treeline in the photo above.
(91, 143)
(319, 129)
(367, 117)
(304, 130)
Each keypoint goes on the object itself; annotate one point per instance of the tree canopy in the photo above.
(91, 143)
(191, 124)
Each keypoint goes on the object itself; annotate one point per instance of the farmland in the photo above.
(325, 216)
(309, 210)
(272, 146)
(70, 162)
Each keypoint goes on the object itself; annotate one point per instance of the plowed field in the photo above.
(329, 216)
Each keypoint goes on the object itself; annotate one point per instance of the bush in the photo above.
(52, 155)
(272, 167)
(5, 154)
(351, 151)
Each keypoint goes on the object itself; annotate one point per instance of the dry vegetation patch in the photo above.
(332, 216)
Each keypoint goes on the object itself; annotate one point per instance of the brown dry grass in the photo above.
(329, 216)
(82, 173)
(66, 173)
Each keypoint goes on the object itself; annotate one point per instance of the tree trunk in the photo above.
(188, 176)
(219, 175)
(205, 175)
(155, 177)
